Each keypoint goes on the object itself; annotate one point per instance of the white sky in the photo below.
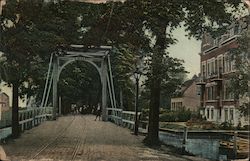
(188, 50)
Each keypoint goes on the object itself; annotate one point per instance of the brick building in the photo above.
(217, 102)
(187, 97)
(4, 102)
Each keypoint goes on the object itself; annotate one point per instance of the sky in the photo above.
(187, 50)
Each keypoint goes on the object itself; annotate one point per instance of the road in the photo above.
(81, 138)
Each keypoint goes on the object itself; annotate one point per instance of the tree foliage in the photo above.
(133, 27)
(31, 31)
(240, 79)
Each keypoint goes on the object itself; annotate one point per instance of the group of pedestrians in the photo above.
(87, 110)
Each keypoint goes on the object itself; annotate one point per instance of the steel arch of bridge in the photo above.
(98, 57)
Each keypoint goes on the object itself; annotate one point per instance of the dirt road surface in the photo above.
(81, 138)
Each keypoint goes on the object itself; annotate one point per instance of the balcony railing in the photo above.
(223, 39)
(201, 81)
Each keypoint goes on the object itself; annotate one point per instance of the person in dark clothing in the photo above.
(98, 112)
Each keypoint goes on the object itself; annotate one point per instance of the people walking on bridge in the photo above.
(98, 112)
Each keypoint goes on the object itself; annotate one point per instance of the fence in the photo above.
(5, 119)
(33, 117)
(122, 118)
(28, 118)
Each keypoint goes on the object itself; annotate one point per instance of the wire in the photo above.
(110, 16)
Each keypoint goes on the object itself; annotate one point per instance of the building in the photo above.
(4, 102)
(217, 103)
(187, 97)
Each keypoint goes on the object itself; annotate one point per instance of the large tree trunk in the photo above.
(155, 88)
(15, 121)
(153, 128)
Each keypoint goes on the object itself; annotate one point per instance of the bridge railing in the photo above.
(5, 120)
(122, 118)
(27, 117)
(32, 117)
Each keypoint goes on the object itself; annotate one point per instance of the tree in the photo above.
(160, 18)
(18, 44)
(136, 22)
(32, 30)
(241, 78)
(175, 76)
(123, 64)
(112, 25)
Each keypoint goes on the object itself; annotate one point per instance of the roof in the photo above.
(3, 93)
(185, 86)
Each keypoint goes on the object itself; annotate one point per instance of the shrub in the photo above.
(168, 117)
(226, 126)
(175, 116)
(246, 127)
(144, 114)
(184, 115)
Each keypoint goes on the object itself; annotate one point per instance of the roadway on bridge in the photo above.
(81, 138)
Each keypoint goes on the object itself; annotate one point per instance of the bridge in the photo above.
(80, 137)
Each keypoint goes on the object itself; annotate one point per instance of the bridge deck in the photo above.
(82, 138)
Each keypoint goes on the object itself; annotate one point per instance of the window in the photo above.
(216, 67)
(220, 65)
(226, 114)
(208, 69)
(219, 113)
(232, 65)
(212, 113)
(211, 93)
(228, 94)
(231, 114)
(208, 110)
(203, 70)
(228, 63)
(211, 68)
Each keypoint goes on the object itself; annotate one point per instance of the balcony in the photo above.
(201, 81)
(217, 76)
(228, 39)
(213, 44)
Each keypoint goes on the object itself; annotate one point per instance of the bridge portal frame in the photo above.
(98, 57)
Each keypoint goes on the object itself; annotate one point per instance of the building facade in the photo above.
(187, 98)
(217, 103)
(4, 102)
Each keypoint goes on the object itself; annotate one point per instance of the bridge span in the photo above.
(82, 138)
